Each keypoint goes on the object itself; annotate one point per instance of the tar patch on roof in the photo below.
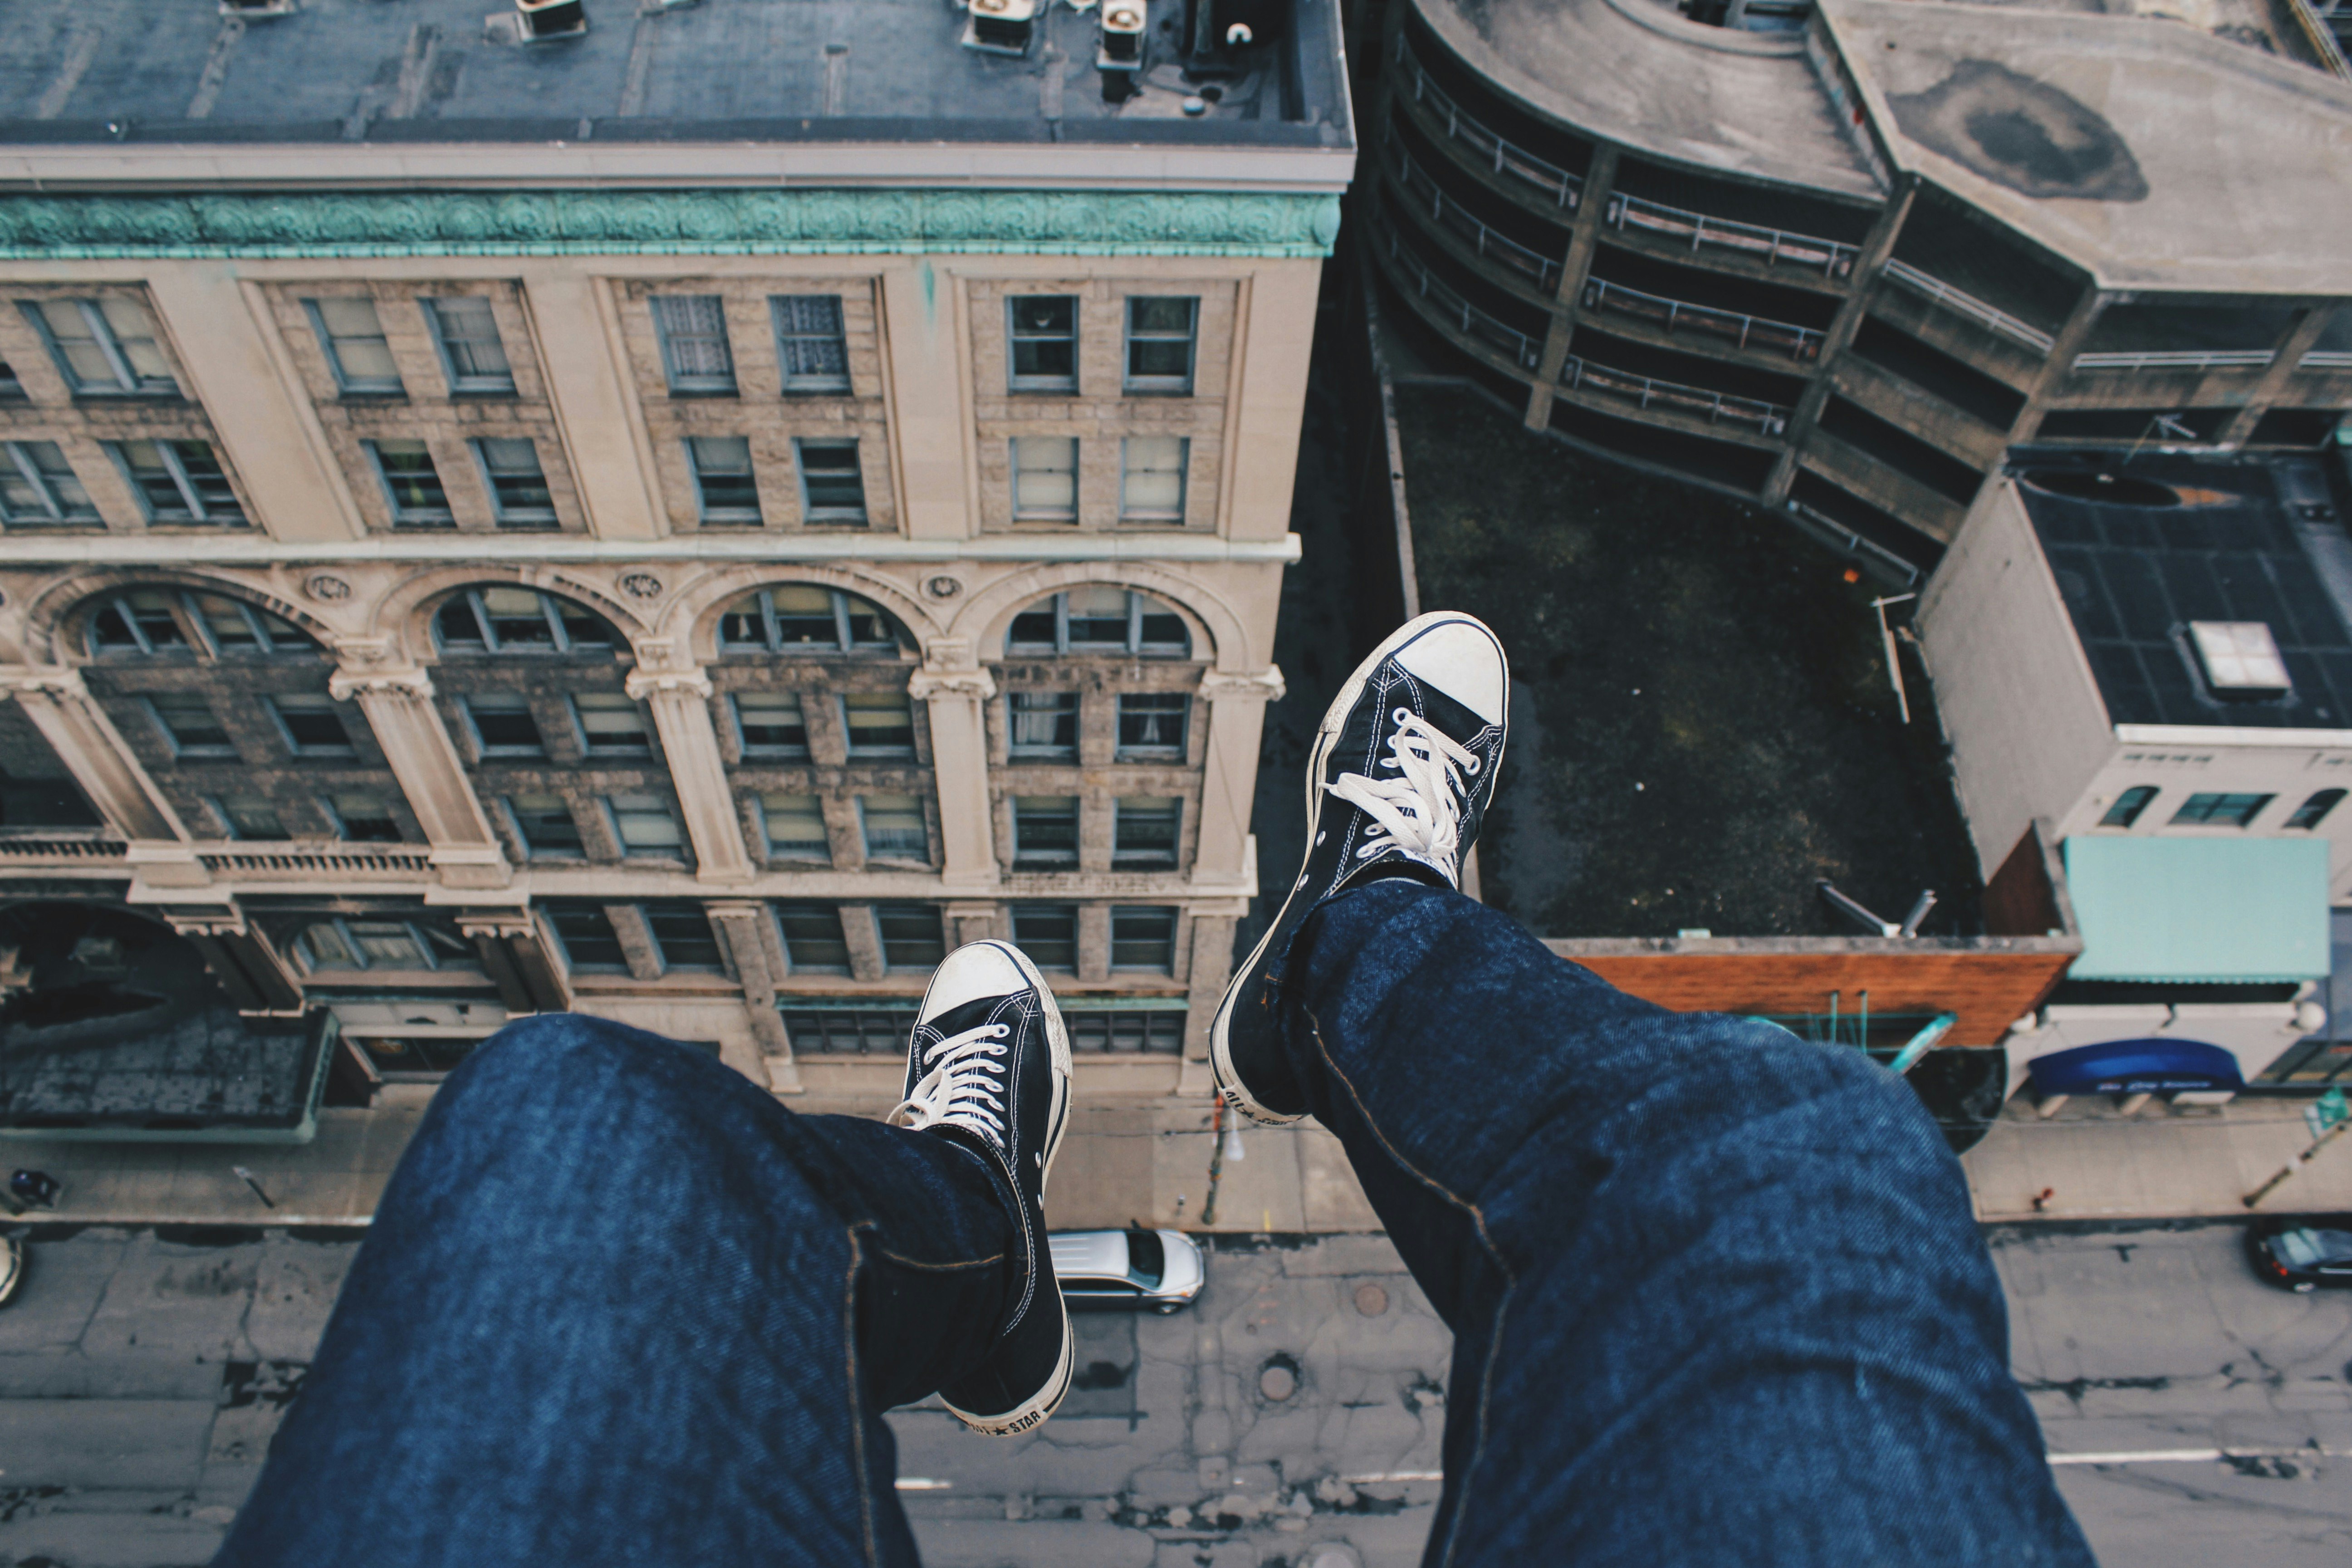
(2022, 133)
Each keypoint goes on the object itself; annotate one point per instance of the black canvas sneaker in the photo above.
(1402, 771)
(989, 1066)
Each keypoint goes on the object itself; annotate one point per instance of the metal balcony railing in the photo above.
(61, 847)
(2228, 359)
(340, 860)
(1503, 155)
(1582, 376)
(1771, 246)
(1676, 315)
(1961, 303)
(1475, 322)
(1542, 270)
(2325, 359)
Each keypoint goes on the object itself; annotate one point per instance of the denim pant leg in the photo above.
(1717, 1293)
(619, 1307)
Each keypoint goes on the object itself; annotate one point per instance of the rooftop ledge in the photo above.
(2227, 735)
(216, 549)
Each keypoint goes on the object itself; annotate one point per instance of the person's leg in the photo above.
(618, 1306)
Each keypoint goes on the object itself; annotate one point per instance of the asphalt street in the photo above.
(1291, 1416)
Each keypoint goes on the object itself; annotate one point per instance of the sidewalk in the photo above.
(1148, 1161)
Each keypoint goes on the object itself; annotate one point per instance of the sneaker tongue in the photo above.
(965, 1016)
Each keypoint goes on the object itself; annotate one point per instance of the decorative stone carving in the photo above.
(671, 222)
(408, 680)
(52, 679)
(926, 684)
(1266, 685)
(641, 586)
(326, 587)
(943, 586)
(643, 683)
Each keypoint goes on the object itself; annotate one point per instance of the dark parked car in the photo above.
(1160, 1270)
(2303, 1255)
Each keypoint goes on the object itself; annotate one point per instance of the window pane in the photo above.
(2222, 810)
(1151, 481)
(1045, 830)
(2129, 805)
(1147, 831)
(895, 829)
(355, 343)
(1152, 725)
(188, 720)
(795, 827)
(138, 621)
(1160, 345)
(586, 933)
(1044, 337)
(1143, 939)
(880, 724)
(252, 816)
(412, 481)
(812, 940)
(546, 826)
(86, 364)
(1097, 617)
(694, 343)
(518, 484)
(722, 474)
(519, 620)
(469, 336)
(804, 616)
(810, 342)
(611, 724)
(911, 935)
(1049, 933)
(645, 824)
(2312, 812)
(365, 818)
(1045, 478)
(38, 486)
(681, 932)
(209, 480)
(832, 486)
(134, 336)
(387, 944)
(312, 725)
(324, 945)
(1044, 724)
(770, 723)
(503, 724)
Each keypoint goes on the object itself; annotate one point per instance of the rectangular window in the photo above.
(180, 481)
(810, 345)
(693, 331)
(812, 940)
(725, 491)
(1044, 330)
(2128, 807)
(682, 935)
(880, 724)
(646, 825)
(2221, 810)
(310, 724)
(1049, 933)
(503, 725)
(1151, 726)
(519, 492)
(770, 723)
(1160, 345)
(250, 817)
(1045, 479)
(793, 825)
(37, 488)
(1145, 831)
(1129, 1031)
(832, 486)
(187, 722)
(611, 725)
(11, 388)
(894, 828)
(912, 937)
(1045, 726)
(584, 932)
(363, 817)
(467, 331)
(106, 347)
(2315, 810)
(1143, 939)
(352, 335)
(545, 825)
(412, 485)
(1044, 831)
(1152, 478)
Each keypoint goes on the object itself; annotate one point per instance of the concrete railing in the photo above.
(2325, 359)
(1715, 407)
(1473, 321)
(377, 860)
(1962, 303)
(1542, 270)
(1501, 155)
(1771, 246)
(19, 849)
(1675, 315)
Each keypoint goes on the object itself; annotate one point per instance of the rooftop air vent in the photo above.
(551, 18)
(1122, 36)
(2239, 659)
(1001, 27)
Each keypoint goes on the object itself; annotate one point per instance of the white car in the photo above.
(1159, 1269)
(12, 1268)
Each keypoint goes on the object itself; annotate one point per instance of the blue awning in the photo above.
(2231, 910)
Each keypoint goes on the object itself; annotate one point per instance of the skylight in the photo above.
(2239, 659)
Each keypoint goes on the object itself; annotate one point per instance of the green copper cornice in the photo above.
(670, 223)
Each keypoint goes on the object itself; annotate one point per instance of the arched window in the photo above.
(799, 618)
(139, 623)
(520, 620)
(2314, 811)
(1099, 620)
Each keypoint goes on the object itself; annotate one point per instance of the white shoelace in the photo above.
(1418, 812)
(964, 1086)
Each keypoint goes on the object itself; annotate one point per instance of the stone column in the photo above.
(515, 957)
(953, 687)
(1229, 771)
(740, 927)
(969, 921)
(680, 701)
(250, 969)
(62, 708)
(1204, 988)
(398, 702)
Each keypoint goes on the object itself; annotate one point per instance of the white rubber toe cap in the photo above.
(977, 970)
(1461, 659)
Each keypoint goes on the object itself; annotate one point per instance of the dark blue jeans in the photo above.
(1717, 1294)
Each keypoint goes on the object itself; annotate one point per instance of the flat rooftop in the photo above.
(363, 71)
(2140, 548)
(1702, 725)
(2151, 153)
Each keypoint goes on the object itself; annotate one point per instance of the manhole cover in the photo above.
(1371, 1300)
(1279, 1378)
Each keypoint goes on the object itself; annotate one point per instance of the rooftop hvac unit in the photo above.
(553, 18)
(1122, 36)
(1001, 27)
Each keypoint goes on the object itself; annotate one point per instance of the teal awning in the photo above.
(2231, 910)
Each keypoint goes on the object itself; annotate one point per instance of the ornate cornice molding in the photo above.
(644, 683)
(43, 681)
(402, 681)
(672, 223)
